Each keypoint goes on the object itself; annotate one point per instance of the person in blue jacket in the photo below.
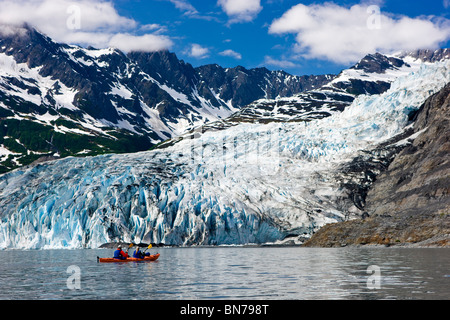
(119, 254)
(139, 254)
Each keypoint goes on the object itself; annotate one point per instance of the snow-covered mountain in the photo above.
(63, 100)
(374, 74)
(252, 182)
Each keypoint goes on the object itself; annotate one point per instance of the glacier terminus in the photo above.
(249, 183)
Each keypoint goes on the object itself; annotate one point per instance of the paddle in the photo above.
(149, 247)
(129, 247)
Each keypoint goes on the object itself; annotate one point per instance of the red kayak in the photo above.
(129, 259)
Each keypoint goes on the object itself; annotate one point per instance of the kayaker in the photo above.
(119, 254)
(138, 254)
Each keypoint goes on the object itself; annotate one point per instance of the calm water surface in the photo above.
(230, 273)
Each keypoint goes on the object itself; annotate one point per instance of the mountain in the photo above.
(409, 202)
(374, 74)
(255, 182)
(58, 100)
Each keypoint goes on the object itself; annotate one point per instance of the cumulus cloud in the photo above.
(84, 22)
(198, 52)
(231, 53)
(343, 35)
(239, 10)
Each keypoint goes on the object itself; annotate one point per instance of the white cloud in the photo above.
(146, 43)
(185, 6)
(198, 52)
(84, 22)
(278, 63)
(344, 35)
(154, 27)
(190, 11)
(240, 10)
(446, 4)
(231, 53)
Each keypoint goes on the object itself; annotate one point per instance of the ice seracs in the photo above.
(250, 183)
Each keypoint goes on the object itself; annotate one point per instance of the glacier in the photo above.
(250, 183)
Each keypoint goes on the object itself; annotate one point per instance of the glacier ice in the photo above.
(251, 183)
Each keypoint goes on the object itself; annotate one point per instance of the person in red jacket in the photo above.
(119, 254)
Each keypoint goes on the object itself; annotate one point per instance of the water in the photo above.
(229, 273)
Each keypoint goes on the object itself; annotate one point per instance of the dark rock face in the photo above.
(165, 67)
(37, 50)
(242, 86)
(307, 106)
(428, 55)
(219, 86)
(409, 203)
(418, 179)
(358, 87)
(378, 63)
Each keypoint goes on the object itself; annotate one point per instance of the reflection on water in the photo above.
(232, 273)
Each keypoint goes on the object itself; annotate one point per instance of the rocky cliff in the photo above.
(409, 203)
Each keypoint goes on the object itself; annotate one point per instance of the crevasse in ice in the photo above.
(251, 183)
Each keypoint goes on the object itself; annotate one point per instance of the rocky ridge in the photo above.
(373, 74)
(58, 100)
(409, 202)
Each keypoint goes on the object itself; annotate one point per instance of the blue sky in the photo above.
(203, 32)
(300, 37)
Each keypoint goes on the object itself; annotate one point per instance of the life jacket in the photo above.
(138, 255)
(119, 254)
